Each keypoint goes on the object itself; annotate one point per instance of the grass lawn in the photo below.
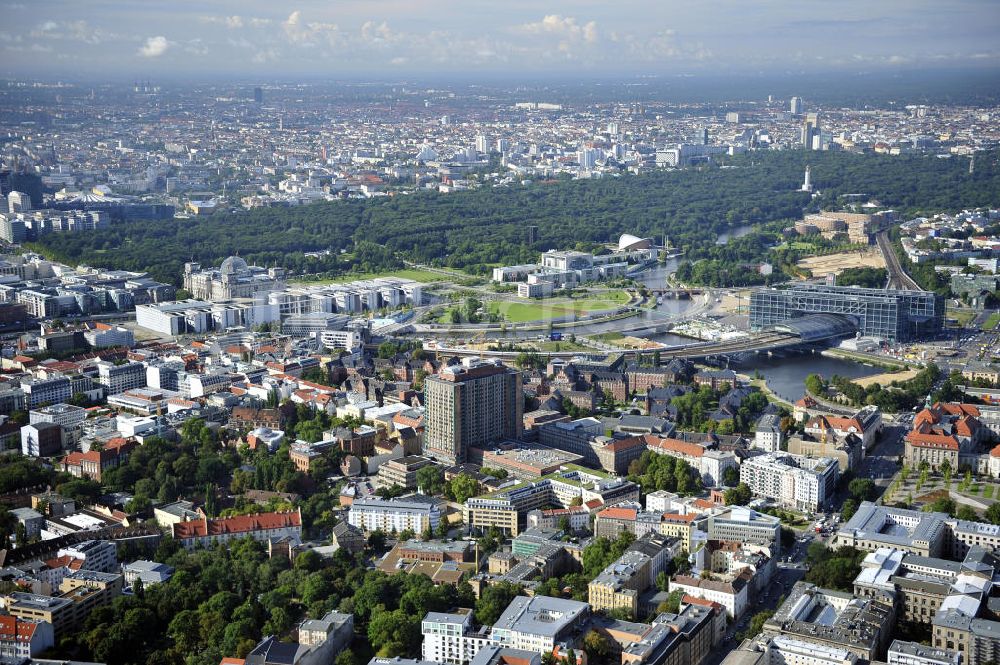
(992, 322)
(608, 336)
(963, 315)
(564, 345)
(552, 308)
(416, 274)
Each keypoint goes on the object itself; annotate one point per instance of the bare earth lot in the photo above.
(821, 266)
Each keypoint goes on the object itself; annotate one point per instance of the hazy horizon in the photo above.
(390, 38)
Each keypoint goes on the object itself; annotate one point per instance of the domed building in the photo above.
(233, 279)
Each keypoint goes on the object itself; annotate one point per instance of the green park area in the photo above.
(416, 274)
(554, 308)
(962, 315)
(992, 322)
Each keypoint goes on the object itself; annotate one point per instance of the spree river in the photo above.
(787, 376)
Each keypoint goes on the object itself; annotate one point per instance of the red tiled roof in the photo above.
(926, 440)
(704, 602)
(614, 513)
(15, 629)
(238, 524)
(675, 446)
(619, 445)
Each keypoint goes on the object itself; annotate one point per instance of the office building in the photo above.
(795, 106)
(507, 508)
(539, 624)
(744, 525)
(873, 526)
(835, 619)
(895, 316)
(471, 405)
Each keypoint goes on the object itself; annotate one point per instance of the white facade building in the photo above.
(793, 481)
(388, 515)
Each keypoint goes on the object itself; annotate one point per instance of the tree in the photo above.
(967, 513)
(673, 601)
(493, 601)
(815, 384)
(757, 624)
(395, 633)
(739, 495)
(376, 540)
(596, 646)
(848, 509)
(862, 489)
(430, 479)
(992, 513)
(463, 486)
(731, 477)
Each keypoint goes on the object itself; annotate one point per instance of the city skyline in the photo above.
(388, 38)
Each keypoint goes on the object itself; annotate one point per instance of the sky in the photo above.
(346, 38)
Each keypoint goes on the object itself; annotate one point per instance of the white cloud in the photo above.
(562, 26)
(154, 47)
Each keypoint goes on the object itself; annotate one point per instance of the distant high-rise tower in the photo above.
(704, 135)
(810, 129)
(503, 145)
(482, 145)
(532, 235)
(471, 405)
(258, 95)
(795, 106)
(807, 182)
(18, 202)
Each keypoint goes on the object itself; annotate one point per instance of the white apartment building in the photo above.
(119, 378)
(914, 653)
(731, 595)
(448, 638)
(96, 555)
(767, 436)
(414, 512)
(199, 385)
(103, 336)
(66, 415)
(793, 481)
(53, 390)
(784, 650)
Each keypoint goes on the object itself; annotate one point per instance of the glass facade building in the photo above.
(896, 316)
